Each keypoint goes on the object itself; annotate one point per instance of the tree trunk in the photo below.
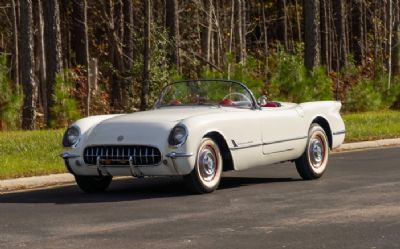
(51, 13)
(340, 27)
(390, 39)
(206, 31)
(15, 58)
(65, 34)
(283, 23)
(172, 25)
(144, 100)
(128, 34)
(396, 40)
(324, 16)
(218, 36)
(357, 32)
(79, 33)
(238, 31)
(40, 55)
(244, 29)
(113, 12)
(27, 66)
(311, 39)
(376, 40)
(298, 23)
(265, 32)
(127, 51)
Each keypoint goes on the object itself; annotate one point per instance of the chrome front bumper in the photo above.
(173, 163)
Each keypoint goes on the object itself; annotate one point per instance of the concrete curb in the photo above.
(11, 185)
(34, 182)
(368, 145)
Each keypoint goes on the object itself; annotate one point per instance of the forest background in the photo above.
(65, 59)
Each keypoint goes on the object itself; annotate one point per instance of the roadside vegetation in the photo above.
(372, 125)
(31, 153)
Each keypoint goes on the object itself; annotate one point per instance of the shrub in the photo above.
(363, 97)
(291, 81)
(372, 95)
(159, 67)
(10, 101)
(65, 109)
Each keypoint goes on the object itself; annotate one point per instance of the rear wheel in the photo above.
(312, 164)
(93, 184)
(206, 175)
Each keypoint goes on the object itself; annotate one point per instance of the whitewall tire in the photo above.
(206, 175)
(312, 164)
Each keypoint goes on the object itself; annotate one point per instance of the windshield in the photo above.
(206, 92)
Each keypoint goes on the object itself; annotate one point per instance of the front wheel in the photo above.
(312, 164)
(93, 184)
(206, 175)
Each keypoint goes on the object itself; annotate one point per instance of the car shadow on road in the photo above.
(128, 190)
(235, 182)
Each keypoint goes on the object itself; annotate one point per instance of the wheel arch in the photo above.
(223, 146)
(325, 125)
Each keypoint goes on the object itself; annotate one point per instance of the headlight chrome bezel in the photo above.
(71, 143)
(173, 140)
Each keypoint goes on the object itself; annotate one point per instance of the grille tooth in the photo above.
(140, 155)
(134, 155)
(119, 155)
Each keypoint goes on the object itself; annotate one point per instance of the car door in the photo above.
(282, 130)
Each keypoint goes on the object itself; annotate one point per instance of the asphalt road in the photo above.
(355, 205)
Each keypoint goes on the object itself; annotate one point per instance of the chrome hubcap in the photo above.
(317, 152)
(208, 164)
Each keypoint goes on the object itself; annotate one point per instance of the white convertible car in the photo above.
(198, 129)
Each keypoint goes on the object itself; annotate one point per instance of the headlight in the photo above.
(71, 136)
(178, 135)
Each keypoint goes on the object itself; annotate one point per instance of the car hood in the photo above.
(143, 127)
(167, 114)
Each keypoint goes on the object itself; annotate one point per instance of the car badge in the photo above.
(120, 138)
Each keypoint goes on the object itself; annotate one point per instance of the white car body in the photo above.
(252, 137)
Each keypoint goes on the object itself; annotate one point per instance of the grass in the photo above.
(29, 153)
(372, 125)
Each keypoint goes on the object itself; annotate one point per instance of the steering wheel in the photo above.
(238, 94)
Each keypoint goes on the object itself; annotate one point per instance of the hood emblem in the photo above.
(120, 138)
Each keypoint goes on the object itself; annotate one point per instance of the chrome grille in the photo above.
(120, 155)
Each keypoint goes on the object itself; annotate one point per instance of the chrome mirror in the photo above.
(262, 100)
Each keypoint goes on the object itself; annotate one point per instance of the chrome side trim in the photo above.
(285, 140)
(269, 143)
(339, 132)
(174, 155)
(280, 151)
(246, 146)
(67, 155)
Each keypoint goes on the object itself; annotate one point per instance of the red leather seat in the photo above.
(271, 104)
(226, 102)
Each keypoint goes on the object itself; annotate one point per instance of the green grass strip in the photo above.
(372, 125)
(30, 153)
